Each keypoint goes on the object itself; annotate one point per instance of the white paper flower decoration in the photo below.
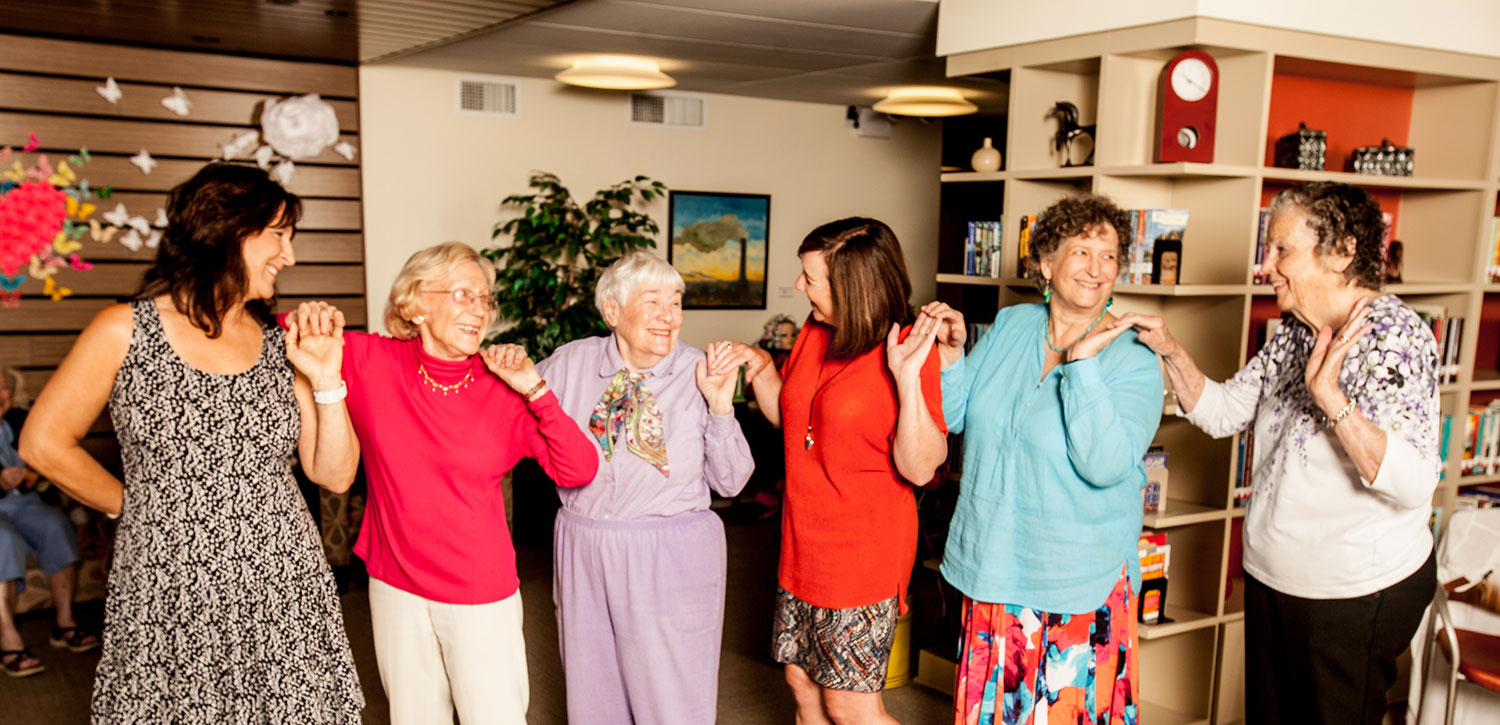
(299, 127)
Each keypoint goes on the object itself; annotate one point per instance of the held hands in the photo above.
(906, 358)
(951, 333)
(1327, 358)
(511, 364)
(734, 354)
(718, 387)
(315, 343)
(1151, 331)
(12, 477)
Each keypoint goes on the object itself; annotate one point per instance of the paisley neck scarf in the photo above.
(629, 404)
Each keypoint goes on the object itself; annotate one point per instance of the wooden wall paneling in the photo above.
(66, 134)
(143, 101)
(311, 247)
(175, 67)
(47, 87)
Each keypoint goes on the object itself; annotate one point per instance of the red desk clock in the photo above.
(1187, 98)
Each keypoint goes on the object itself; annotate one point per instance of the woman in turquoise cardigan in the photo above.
(1059, 410)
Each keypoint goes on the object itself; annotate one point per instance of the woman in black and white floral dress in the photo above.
(1344, 404)
(221, 605)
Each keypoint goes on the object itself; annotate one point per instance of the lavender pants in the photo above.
(640, 617)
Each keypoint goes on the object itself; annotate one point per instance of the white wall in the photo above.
(1464, 26)
(432, 175)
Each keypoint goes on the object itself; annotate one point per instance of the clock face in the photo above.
(1191, 79)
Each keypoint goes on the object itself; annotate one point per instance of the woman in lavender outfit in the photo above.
(639, 561)
(1344, 404)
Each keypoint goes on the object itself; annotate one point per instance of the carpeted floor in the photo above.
(750, 684)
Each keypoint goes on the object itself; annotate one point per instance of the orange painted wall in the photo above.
(1353, 114)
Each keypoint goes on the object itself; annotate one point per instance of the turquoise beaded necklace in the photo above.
(1047, 331)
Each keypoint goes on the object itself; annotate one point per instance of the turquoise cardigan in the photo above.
(1050, 501)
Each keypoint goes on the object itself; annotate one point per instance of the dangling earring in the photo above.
(1046, 290)
(1109, 303)
(417, 320)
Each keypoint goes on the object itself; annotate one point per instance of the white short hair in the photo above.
(630, 273)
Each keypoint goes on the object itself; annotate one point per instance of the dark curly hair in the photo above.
(1347, 221)
(867, 275)
(1075, 216)
(200, 262)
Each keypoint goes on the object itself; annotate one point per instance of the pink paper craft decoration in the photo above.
(32, 143)
(31, 214)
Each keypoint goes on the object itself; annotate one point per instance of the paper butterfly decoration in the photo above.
(143, 161)
(282, 173)
(241, 145)
(100, 233)
(263, 157)
(178, 102)
(161, 218)
(153, 241)
(51, 287)
(131, 240)
(32, 143)
(139, 224)
(110, 90)
(345, 149)
(119, 217)
(79, 264)
(63, 245)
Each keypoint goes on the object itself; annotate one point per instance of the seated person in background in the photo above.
(29, 525)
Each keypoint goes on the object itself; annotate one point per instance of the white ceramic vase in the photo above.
(987, 158)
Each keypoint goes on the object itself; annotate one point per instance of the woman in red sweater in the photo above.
(862, 424)
(440, 425)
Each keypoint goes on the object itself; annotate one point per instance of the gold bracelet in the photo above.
(1331, 422)
(536, 390)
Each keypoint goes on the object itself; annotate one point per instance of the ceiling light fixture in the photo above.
(924, 101)
(616, 72)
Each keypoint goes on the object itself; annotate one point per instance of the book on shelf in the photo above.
(1477, 497)
(982, 248)
(1024, 266)
(1243, 468)
(1154, 495)
(1156, 561)
(1262, 225)
(1481, 440)
(974, 330)
(1448, 332)
(1443, 447)
(1149, 226)
(1492, 271)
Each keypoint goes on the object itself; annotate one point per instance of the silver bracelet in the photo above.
(1331, 422)
(329, 397)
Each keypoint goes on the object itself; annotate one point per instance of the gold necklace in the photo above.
(446, 389)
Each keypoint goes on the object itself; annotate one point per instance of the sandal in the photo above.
(12, 666)
(74, 639)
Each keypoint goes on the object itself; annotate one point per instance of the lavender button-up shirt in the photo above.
(704, 451)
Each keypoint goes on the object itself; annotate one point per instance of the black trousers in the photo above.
(1328, 660)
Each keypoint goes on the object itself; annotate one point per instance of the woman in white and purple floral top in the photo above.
(1344, 403)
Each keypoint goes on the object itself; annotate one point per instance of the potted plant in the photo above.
(558, 250)
(545, 290)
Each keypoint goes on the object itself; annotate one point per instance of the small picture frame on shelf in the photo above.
(1166, 261)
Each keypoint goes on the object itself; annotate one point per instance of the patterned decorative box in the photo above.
(1386, 159)
(1306, 148)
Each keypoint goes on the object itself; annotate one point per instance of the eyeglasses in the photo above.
(466, 298)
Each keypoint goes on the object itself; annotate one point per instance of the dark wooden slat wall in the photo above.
(47, 86)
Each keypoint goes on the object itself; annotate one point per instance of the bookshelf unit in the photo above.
(1444, 105)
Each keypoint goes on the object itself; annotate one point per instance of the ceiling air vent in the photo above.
(669, 109)
(489, 96)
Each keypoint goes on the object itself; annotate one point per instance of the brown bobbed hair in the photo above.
(200, 263)
(1347, 221)
(1080, 215)
(867, 275)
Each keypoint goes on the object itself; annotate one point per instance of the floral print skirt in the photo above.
(1022, 666)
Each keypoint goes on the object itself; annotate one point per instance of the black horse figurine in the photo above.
(1069, 129)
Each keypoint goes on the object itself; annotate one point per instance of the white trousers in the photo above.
(435, 656)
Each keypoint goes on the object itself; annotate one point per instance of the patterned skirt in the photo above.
(1021, 666)
(840, 649)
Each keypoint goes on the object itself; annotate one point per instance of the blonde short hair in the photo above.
(426, 266)
(631, 272)
(11, 379)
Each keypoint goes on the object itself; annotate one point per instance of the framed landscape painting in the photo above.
(719, 246)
